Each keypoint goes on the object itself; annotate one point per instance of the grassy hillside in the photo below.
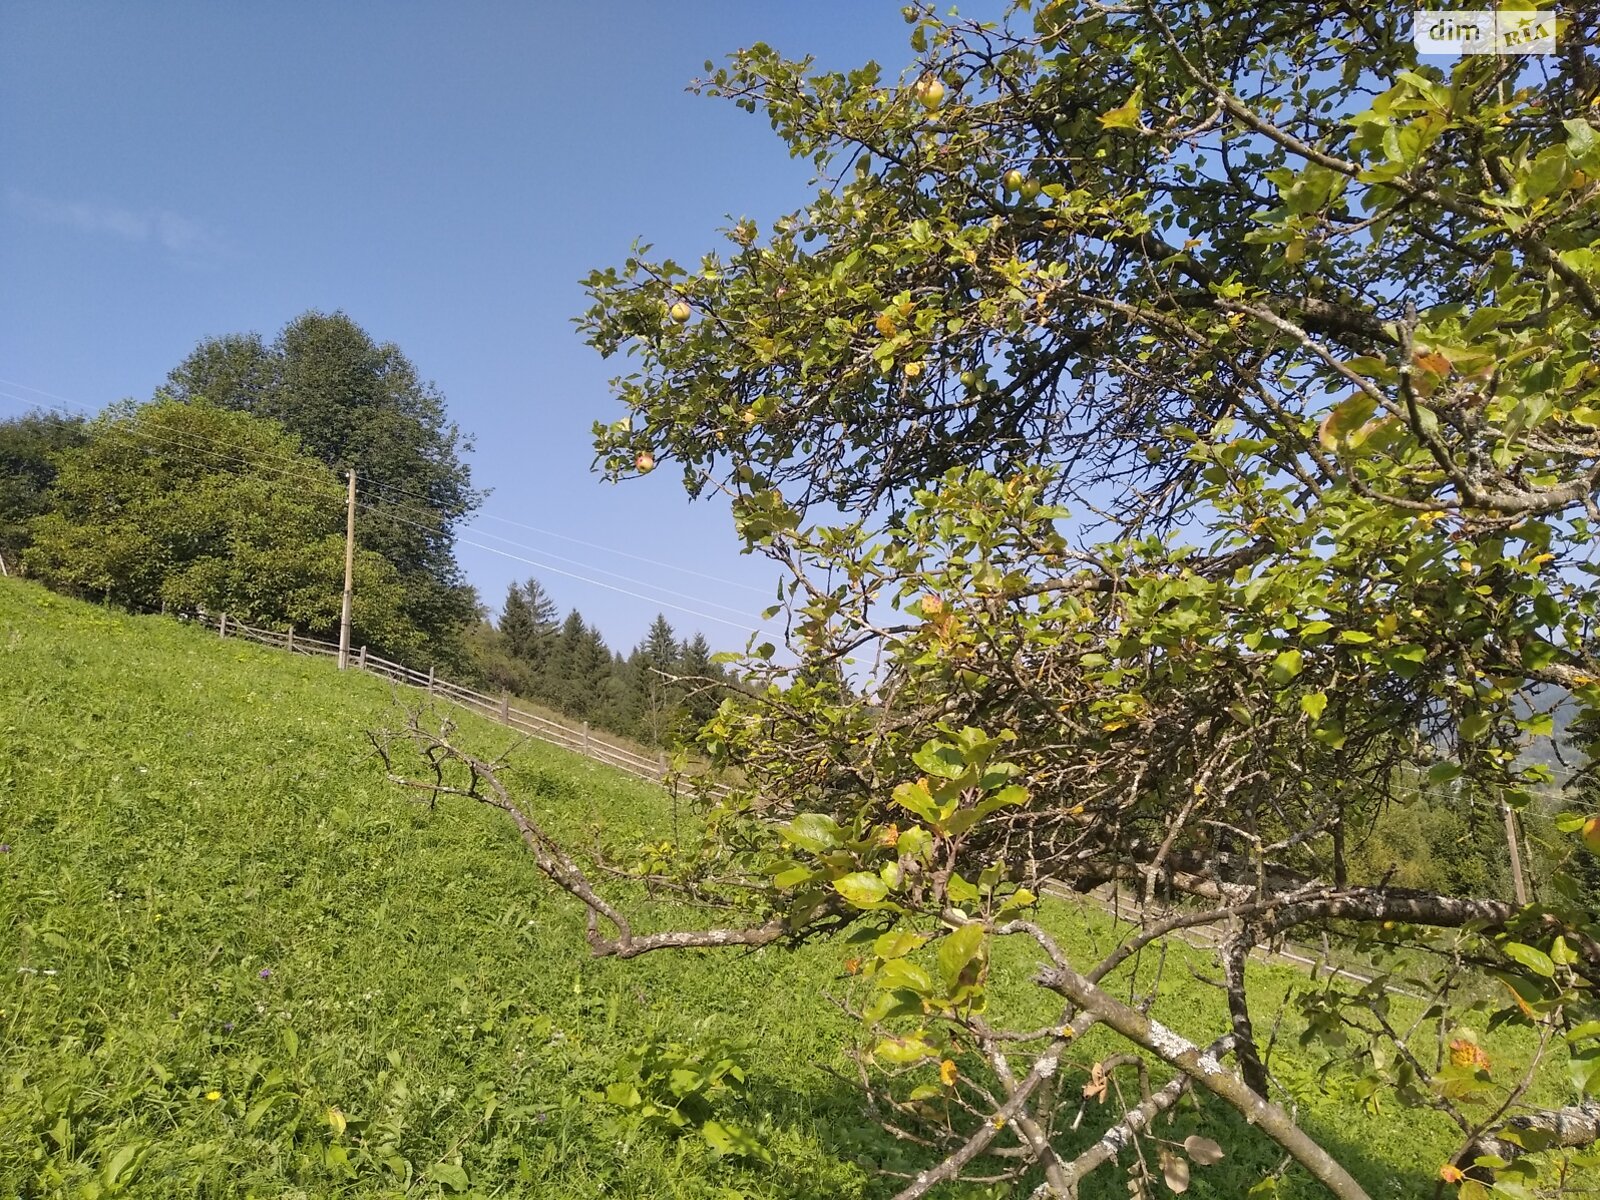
(236, 963)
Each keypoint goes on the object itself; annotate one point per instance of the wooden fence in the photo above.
(579, 739)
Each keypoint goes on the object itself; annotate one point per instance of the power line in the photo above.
(626, 554)
(259, 461)
(433, 521)
(585, 579)
(429, 505)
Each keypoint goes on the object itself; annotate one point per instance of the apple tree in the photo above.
(1181, 433)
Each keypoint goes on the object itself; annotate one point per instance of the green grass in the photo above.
(210, 891)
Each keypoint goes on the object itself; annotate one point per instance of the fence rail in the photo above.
(579, 739)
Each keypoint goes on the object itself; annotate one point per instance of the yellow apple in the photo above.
(1591, 834)
(929, 90)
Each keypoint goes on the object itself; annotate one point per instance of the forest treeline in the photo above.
(658, 693)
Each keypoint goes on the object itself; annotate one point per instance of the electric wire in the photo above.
(429, 504)
(431, 520)
(573, 575)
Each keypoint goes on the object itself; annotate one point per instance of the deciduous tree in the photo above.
(1185, 432)
(356, 402)
(148, 512)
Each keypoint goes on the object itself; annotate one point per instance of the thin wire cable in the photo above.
(432, 520)
(255, 462)
(585, 579)
(429, 504)
(433, 524)
(749, 587)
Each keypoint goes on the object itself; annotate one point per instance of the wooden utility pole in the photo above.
(349, 573)
(1519, 885)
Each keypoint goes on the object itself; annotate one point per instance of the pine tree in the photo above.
(562, 684)
(695, 665)
(517, 622)
(536, 625)
(658, 697)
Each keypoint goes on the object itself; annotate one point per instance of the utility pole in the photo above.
(349, 573)
(1519, 886)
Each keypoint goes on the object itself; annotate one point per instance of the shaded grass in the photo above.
(238, 963)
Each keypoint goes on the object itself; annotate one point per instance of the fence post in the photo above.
(586, 737)
(291, 639)
(222, 626)
(661, 763)
(361, 662)
(430, 683)
(505, 708)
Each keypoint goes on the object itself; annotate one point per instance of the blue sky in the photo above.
(445, 173)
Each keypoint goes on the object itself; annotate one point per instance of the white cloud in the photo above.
(180, 236)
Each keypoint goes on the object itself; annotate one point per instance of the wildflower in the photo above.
(266, 973)
(213, 1096)
(5, 847)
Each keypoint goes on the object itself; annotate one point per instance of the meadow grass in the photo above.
(237, 962)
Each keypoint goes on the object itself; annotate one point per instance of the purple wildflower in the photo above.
(266, 972)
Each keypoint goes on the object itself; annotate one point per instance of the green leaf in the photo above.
(915, 799)
(903, 973)
(957, 950)
(1354, 637)
(1018, 900)
(449, 1175)
(862, 888)
(1345, 418)
(623, 1095)
(897, 943)
(258, 1110)
(812, 831)
(904, 1050)
(1287, 665)
(792, 877)
(1536, 961)
(960, 890)
(120, 1167)
(1583, 143)
(940, 759)
(728, 1140)
(1313, 704)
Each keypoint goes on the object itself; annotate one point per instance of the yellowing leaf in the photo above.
(862, 888)
(1344, 419)
(1125, 116)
